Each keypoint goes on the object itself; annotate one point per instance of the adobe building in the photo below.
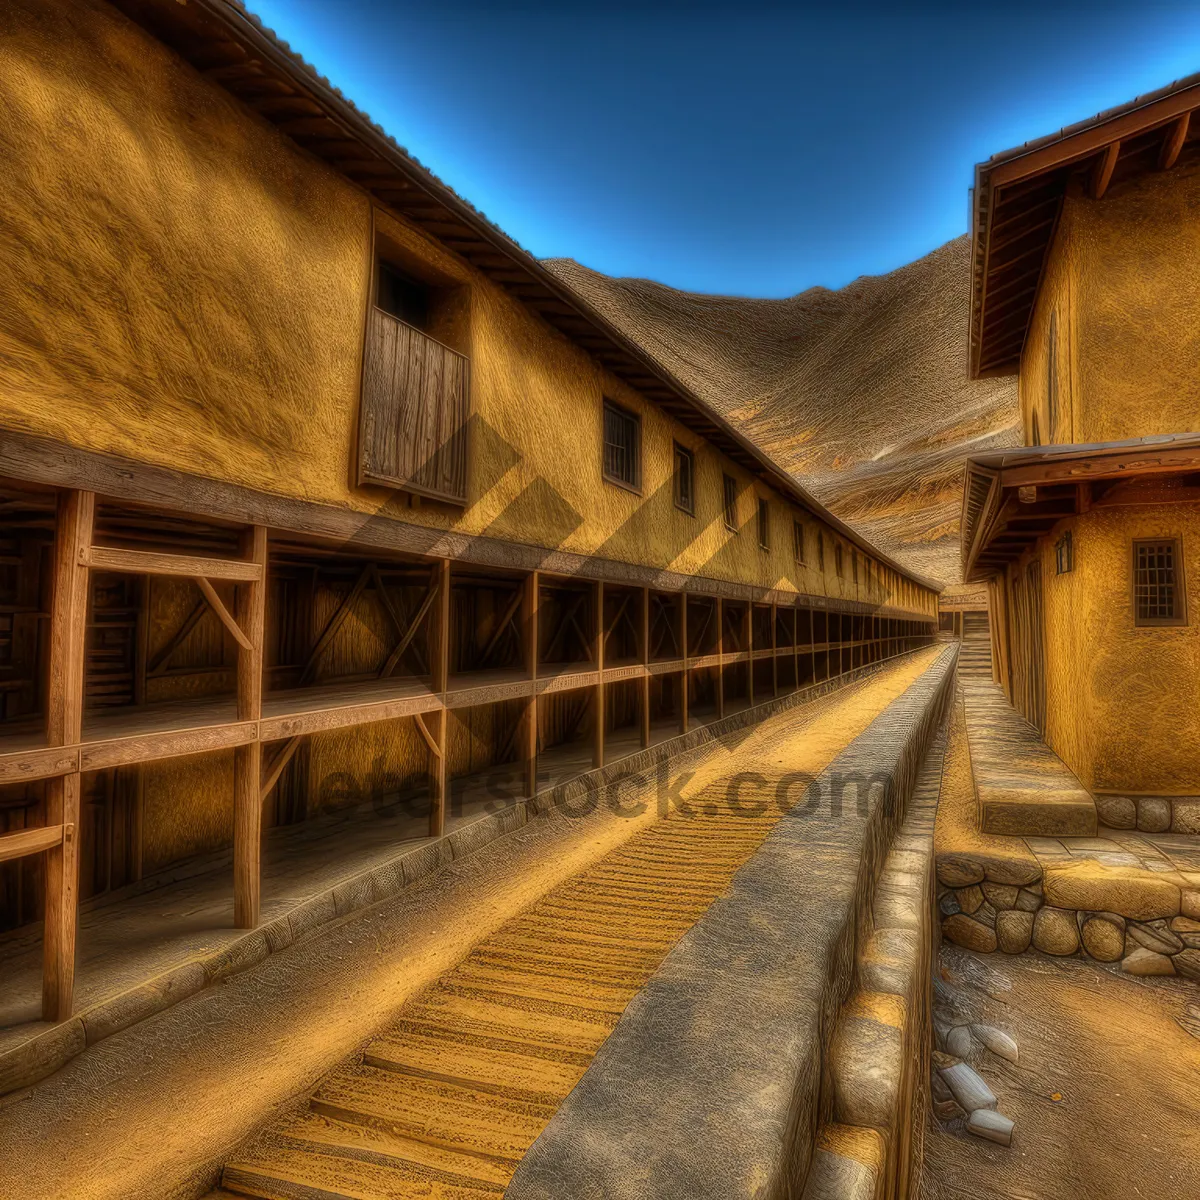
(318, 493)
(1085, 287)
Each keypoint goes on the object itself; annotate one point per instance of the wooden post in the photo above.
(683, 654)
(529, 640)
(64, 727)
(774, 649)
(646, 662)
(247, 760)
(439, 665)
(720, 658)
(748, 642)
(598, 722)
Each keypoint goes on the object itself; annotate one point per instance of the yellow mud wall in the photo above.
(1055, 312)
(1123, 270)
(1121, 703)
(183, 285)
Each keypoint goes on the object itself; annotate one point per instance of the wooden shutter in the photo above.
(415, 405)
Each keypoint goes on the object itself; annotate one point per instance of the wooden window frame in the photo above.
(1064, 554)
(798, 541)
(729, 501)
(764, 524)
(1181, 616)
(636, 423)
(839, 563)
(681, 452)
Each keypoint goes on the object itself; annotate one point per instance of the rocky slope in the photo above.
(863, 391)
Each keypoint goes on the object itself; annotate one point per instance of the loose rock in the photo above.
(958, 1041)
(993, 1126)
(1001, 895)
(1104, 936)
(1185, 814)
(1160, 940)
(1117, 812)
(948, 904)
(1055, 931)
(1014, 931)
(1182, 925)
(969, 898)
(997, 1041)
(1187, 962)
(968, 1087)
(964, 931)
(1146, 962)
(1153, 814)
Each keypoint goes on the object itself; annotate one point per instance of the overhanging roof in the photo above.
(230, 47)
(1018, 196)
(995, 533)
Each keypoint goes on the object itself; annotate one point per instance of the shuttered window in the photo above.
(685, 479)
(730, 501)
(622, 446)
(1158, 597)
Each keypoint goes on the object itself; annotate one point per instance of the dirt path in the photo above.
(154, 1111)
(1126, 1074)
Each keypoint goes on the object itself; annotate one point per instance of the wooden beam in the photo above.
(502, 624)
(426, 736)
(1103, 170)
(247, 759)
(335, 622)
(393, 659)
(226, 617)
(598, 695)
(720, 658)
(276, 769)
(32, 841)
(1177, 133)
(645, 639)
(530, 593)
(683, 675)
(64, 727)
(159, 663)
(149, 562)
(439, 663)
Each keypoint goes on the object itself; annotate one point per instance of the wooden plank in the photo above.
(335, 622)
(100, 755)
(19, 766)
(530, 594)
(393, 659)
(247, 760)
(75, 521)
(149, 562)
(31, 841)
(223, 614)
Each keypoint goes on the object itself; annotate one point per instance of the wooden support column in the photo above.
(796, 648)
(530, 591)
(774, 649)
(598, 654)
(247, 760)
(439, 666)
(64, 724)
(748, 642)
(720, 658)
(646, 662)
(683, 653)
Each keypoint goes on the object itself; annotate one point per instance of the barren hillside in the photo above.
(863, 391)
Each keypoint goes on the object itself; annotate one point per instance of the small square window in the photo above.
(622, 446)
(798, 541)
(764, 524)
(730, 501)
(685, 480)
(1158, 596)
(1064, 554)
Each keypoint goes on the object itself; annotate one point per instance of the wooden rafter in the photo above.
(1103, 170)
(1172, 144)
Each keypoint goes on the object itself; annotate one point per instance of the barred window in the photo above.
(764, 524)
(1158, 597)
(1064, 554)
(798, 541)
(685, 476)
(730, 499)
(622, 449)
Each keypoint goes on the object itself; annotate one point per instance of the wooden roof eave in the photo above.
(415, 190)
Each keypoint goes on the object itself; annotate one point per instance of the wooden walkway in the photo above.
(445, 1104)
(1023, 787)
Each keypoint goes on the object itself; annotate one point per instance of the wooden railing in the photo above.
(415, 405)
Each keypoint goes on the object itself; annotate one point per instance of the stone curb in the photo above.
(712, 1083)
(52, 1048)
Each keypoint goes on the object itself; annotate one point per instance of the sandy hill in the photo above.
(862, 392)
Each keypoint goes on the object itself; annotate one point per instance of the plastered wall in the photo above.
(184, 286)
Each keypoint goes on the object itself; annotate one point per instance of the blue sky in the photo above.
(744, 148)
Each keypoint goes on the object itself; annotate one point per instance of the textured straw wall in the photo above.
(183, 285)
